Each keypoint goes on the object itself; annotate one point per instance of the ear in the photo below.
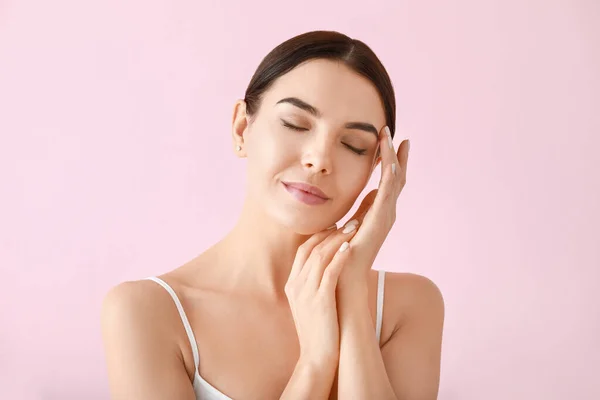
(239, 127)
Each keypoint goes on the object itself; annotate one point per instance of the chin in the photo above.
(301, 223)
(301, 219)
(307, 231)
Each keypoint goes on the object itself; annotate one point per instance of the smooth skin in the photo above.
(254, 323)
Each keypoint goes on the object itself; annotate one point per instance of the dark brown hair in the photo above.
(325, 45)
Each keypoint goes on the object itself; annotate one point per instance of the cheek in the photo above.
(268, 151)
(352, 179)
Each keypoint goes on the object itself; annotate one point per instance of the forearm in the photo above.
(309, 381)
(361, 373)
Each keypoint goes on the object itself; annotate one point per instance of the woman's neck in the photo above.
(257, 254)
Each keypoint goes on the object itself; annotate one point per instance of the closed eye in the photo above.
(294, 127)
(300, 129)
(360, 152)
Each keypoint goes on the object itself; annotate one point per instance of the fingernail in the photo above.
(352, 222)
(389, 135)
(344, 247)
(394, 168)
(349, 228)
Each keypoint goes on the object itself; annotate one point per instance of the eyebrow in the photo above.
(363, 126)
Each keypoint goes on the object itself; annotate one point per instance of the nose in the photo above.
(316, 157)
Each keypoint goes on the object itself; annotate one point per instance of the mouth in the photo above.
(305, 193)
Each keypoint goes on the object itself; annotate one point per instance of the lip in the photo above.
(307, 188)
(306, 193)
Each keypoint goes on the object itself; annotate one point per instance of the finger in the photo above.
(389, 161)
(324, 252)
(383, 207)
(332, 273)
(393, 179)
(306, 248)
(389, 158)
(390, 170)
(402, 156)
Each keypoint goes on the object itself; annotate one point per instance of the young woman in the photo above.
(287, 305)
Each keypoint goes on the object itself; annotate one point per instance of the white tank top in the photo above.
(203, 389)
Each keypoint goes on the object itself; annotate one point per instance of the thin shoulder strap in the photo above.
(186, 323)
(380, 292)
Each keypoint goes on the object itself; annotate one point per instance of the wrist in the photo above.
(352, 292)
(320, 365)
(354, 278)
(311, 379)
(317, 373)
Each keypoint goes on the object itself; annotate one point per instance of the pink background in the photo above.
(116, 164)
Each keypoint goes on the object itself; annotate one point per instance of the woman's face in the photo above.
(318, 124)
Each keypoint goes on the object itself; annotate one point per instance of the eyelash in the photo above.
(360, 152)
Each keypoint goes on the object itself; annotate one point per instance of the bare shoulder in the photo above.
(409, 295)
(412, 354)
(134, 301)
(142, 348)
(142, 307)
(138, 311)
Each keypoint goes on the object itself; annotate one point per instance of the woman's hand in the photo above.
(310, 290)
(377, 213)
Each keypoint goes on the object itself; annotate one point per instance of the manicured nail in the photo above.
(408, 144)
(389, 135)
(352, 222)
(394, 168)
(349, 228)
(344, 247)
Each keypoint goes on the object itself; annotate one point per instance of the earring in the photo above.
(238, 147)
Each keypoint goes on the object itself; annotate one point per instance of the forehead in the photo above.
(333, 88)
